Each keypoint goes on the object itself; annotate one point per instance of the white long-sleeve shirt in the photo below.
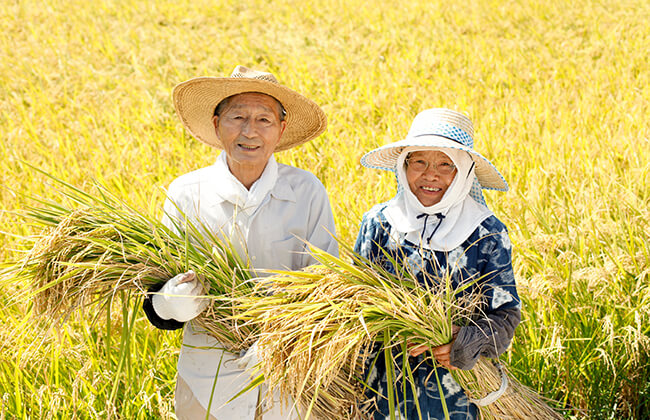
(267, 224)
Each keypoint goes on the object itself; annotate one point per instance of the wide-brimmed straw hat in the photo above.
(440, 128)
(196, 99)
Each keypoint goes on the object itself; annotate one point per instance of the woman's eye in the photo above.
(418, 164)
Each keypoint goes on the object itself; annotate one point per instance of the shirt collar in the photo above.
(226, 186)
(230, 189)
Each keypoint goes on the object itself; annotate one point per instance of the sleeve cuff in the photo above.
(152, 316)
(466, 348)
(489, 337)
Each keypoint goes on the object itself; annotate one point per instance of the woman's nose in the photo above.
(431, 172)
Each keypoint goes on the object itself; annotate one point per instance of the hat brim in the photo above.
(195, 100)
(385, 158)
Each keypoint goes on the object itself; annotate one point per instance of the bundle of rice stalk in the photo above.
(319, 326)
(518, 402)
(95, 246)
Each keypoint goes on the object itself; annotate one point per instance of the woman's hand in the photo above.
(441, 353)
(418, 350)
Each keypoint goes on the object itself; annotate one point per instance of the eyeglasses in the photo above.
(421, 165)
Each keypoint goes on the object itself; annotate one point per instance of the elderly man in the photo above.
(267, 210)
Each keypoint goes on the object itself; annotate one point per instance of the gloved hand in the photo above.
(178, 299)
(248, 362)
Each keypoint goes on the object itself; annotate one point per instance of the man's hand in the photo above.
(440, 353)
(249, 361)
(178, 299)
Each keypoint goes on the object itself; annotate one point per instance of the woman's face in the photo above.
(429, 173)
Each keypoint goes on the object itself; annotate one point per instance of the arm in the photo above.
(152, 316)
(489, 337)
(322, 230)
(372, 236)
(491, 334)
(169, 305)
(360, 243)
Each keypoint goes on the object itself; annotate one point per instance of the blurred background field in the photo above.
(559, 93)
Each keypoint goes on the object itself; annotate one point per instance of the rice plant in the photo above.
(558, 93)
(318, 328)
(95, 246)
(314, 328)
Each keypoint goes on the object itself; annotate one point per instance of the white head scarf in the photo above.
(446, 224)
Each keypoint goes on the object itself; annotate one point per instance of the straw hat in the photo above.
(196, 99)
(444, 129)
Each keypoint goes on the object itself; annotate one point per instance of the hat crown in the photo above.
(445, 123)
(246, 73)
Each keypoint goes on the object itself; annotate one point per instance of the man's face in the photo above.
(249, 128)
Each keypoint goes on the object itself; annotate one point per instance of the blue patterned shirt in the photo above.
(485, 255)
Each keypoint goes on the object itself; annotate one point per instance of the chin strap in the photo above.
(440, 216)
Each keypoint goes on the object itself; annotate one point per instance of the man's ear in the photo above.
(215, 122)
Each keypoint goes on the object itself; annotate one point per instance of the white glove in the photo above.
(178, 299)
(248, 362)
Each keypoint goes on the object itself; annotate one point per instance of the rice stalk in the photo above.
(95, 246)
(518, 402)
(318, 328)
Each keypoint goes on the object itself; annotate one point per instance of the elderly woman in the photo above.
(267, 210)
(438, 224)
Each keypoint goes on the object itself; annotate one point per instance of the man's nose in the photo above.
(248, 128)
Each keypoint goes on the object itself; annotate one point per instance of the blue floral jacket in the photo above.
(485, 255)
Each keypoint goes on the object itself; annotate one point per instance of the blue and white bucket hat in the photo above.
(440, 128)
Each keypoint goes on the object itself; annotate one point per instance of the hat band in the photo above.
(447, 131)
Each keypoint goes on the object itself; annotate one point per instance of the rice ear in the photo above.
(98, 245)
(316, 327)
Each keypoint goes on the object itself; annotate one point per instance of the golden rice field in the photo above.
(559, 93)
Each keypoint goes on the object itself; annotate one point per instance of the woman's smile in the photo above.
(428, 185)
